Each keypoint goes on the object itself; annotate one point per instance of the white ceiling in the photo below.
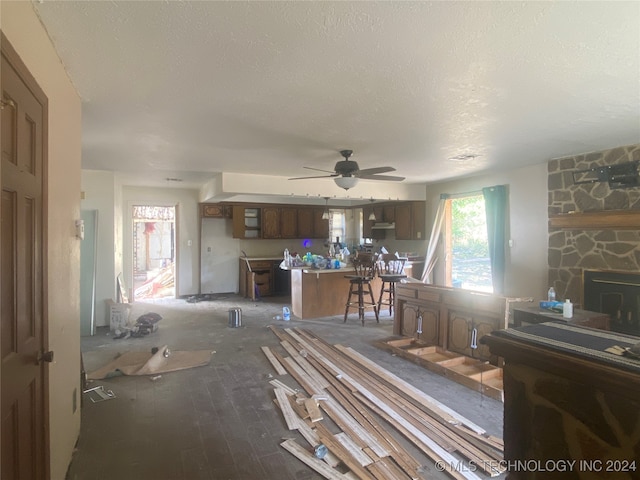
(187, 89)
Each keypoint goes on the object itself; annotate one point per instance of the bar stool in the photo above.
(360, 286)
(390, 270)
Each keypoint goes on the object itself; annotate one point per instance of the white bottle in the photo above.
(567, 309)
(551, 295)
(287, 257)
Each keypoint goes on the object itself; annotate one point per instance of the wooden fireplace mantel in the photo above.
(617, 219)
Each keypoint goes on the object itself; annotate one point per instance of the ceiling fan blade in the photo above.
(318, 176)
(372, 171)
(319, 169)
(389, 178)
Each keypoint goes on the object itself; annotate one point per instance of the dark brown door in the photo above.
(24, 444)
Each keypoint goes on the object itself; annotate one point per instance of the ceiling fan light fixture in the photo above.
(346, 182)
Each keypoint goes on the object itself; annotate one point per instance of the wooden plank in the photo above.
(311, 461)
(389, 470)
(355, 451)
(312, 372)
(290, 416)
(274, 362)
(342, 453)
(278, 384)
(449, 415)
(315, 415)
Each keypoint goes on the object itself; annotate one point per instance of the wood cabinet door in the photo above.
(305, 222)
(459, 338)
(320, 226)
(389, 213)
(430, 325)
(418, 221)
(409, 319)
(237, 217)
(270, 222)
(288, 222)
(366, 223)
(403, 221)
(483, 326)
(212, 211)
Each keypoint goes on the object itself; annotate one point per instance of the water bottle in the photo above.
(287, 257)
(551, 295)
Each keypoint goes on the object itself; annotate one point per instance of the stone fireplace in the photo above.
(592, 227)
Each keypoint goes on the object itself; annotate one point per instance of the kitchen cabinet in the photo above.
(452, 318)
(259, 278)
(410, 221)
(289, 222)
(270, 222)
(320, 225)
(213, 210)
(305, 222)
(279, 222)
(246, 222)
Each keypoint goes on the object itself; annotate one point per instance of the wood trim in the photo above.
(603, 219)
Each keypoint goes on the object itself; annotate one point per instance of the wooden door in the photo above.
(270, 222)
(403, 221)
(430, 325)
(320, 225)
(288, 222)
(305, 222)
(24, 418)
(460, 328)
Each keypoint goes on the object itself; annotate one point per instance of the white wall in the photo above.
(99, 194)
(24, 31)
(187, 231)
(526, 266)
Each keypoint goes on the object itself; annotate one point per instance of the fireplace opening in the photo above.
(615, 293)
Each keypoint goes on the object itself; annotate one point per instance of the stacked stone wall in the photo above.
(573, 251)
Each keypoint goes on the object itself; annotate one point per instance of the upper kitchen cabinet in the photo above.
(410, 221)
(279, 222)
(246, 222)
(213, 210)
(367, 225)
(320, 225)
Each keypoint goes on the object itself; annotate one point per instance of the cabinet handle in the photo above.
(474, 338)
(419, 330)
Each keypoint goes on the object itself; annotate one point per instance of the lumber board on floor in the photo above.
(277, 366)
(290, 416)
(311, 404)
(318, 465)
(355, 386)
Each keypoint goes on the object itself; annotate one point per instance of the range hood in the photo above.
(383, 226)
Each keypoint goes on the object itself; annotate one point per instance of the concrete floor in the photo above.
(219, 421)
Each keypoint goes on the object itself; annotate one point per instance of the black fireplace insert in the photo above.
(617, 294)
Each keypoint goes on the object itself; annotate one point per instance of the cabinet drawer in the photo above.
(263, 278)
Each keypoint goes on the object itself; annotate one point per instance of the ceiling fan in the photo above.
(347, 173)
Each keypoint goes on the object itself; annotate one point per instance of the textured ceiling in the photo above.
(188, 89)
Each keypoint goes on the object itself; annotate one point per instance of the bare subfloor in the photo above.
(219, 421)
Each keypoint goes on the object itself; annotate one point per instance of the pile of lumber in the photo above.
(350, 407)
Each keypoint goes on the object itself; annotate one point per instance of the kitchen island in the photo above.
(323, 293)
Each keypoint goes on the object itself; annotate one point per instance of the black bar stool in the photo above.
(360, 286)
(390, 270)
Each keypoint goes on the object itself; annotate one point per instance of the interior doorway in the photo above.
(154, 252)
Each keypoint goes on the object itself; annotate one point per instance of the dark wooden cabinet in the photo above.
(246, 222)
(270, 222)
(453, 319)
(403, 221)
(288, 222)
(305, 222)
(531, 315)
(410, 221)
(320, 225)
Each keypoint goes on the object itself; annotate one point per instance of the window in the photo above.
(336, 224)
(468, 264)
